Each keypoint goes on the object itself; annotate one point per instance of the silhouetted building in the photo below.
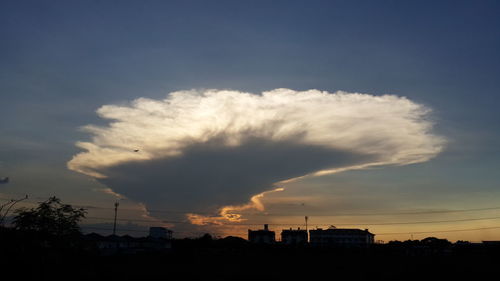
(491, 243)
(160, 232)
(293, 237)
(340, 237)
(114, 244)
(261, 236)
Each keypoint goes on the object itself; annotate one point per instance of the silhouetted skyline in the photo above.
(220, 116)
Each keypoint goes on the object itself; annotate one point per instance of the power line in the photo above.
(106, 228)
(423, 222)
(137, 220)
(278, 214)
(300, 224)
(337, 215)
(440, 231)
(321, 215)
(339, 224)
(147, 231)
(378, 234)
(111, 208)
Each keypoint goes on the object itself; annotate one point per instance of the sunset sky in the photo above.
(220, 116)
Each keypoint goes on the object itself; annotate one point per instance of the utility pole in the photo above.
(116, 211)
(307, 233)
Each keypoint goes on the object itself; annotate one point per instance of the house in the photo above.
(294, 236)
(261, 236)
(340, 237)
(160, 232)
(114, 244)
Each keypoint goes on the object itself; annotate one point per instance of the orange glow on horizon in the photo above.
(230, 213)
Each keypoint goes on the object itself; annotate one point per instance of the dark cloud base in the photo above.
(212, 174)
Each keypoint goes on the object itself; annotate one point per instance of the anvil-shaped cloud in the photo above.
(201, 150)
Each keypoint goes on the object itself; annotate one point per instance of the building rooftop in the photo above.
(342, 231)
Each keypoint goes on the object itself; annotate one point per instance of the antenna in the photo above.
(116, 211)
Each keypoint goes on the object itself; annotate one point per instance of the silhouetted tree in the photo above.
(50, 217)
(206, 237)
(435, 242)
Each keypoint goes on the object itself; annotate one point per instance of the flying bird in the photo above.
(136, 150)
(4, 180)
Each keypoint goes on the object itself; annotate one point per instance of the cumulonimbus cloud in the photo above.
(206, 149)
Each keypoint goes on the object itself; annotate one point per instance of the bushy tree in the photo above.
(50, 217)
(435, 242)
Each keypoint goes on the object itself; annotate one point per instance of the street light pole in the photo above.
(116, 211)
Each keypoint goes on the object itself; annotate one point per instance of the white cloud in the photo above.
(385, 130)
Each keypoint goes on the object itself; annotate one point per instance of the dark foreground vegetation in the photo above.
(36, 256)
(46, 244)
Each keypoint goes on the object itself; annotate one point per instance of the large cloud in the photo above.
(201, 150)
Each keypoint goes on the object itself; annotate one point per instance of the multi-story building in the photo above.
(261, 236)
(160, 232)
(294, 236)
(340, 237)
(113, 244)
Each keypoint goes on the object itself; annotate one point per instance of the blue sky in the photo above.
(61, 60)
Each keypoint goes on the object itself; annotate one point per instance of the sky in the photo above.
(363, 114)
